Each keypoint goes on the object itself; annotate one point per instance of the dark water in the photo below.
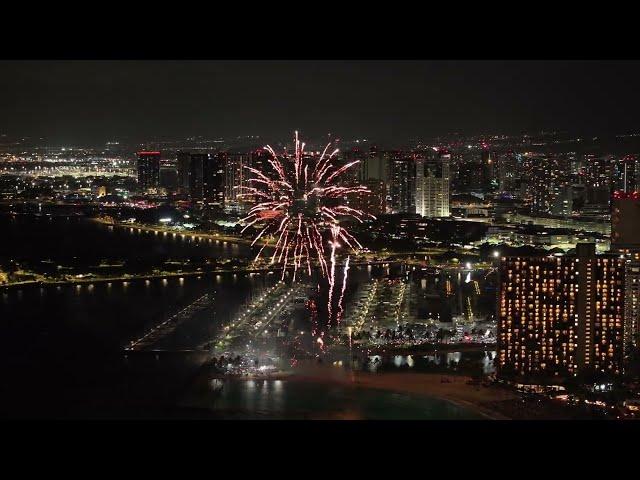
(80, 241)
(61, 347)
(283, 399)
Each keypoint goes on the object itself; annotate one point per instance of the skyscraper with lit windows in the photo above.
(625, 240)
(625, 218)
(183, 161)
(432, 184)
(236, 175)
(402, 183)
(148, 166)
(202, 177)
(547, 186)
(559, 317)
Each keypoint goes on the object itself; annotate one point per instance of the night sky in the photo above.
(97, 101)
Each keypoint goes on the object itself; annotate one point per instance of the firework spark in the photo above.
(345, 275)
(299, 208)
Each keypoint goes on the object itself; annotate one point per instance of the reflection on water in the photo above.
(80, 241)
(480, 359)
(289, 399)
(64, 343)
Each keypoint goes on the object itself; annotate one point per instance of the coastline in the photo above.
(475, 399)
(426, 385)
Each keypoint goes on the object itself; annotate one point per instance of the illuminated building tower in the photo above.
(360, 172)
(624, 175)
(561, 316)
(625, 240)
(632, 302)
(148, 170)
(488, 161)
(432, 184)
(402, 179)
(597, 172)
(237, 176)
(625, 221)
(373, 171)
(183, 159)
(206, 178)
(373, 203)
(508, 172)
(548, 185)
(377, 166)
(468, 175)
(563, 201)
(260, 160)
(213, 185)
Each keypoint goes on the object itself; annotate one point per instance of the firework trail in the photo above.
(332, 276)
(298, 206)
(344, 288)
(311, 305)
(299, 202)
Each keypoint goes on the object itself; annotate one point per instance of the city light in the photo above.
(166, 255)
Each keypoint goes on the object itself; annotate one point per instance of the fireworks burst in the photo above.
(299, 205)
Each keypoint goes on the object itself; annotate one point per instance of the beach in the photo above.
(478, 398)
(483, 401)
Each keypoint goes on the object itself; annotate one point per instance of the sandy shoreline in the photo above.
(475, 398)
(458, 392)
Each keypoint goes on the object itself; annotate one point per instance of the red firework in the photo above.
(299, 205)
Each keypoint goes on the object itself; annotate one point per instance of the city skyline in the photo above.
(320, 239)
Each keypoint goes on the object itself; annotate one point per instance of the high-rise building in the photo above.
(468, 174)
(563, 201)
(236, 175)
(625, 240)
(625, 218)
(183, 160)
(597, 171)
(508, 172)
(432, 184)
(202, 177)
(373, 172)
(373, 164)
(401, 183)
(213, 173)
(624, 173)
(547, 184)
(372, 202)
(488, 162)
(632, 302)
(561, 316)
(596, 174)
(360, 171)
(148, 170)
(260, 161)
(377, 166)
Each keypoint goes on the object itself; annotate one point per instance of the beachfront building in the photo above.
(561, 316)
